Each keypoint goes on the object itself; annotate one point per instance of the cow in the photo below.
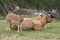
(36, 23)
(13, 19)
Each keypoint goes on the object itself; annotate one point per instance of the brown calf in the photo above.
(13, 19)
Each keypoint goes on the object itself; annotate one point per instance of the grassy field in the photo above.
(52, 30)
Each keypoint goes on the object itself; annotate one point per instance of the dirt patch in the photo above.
(17, 37)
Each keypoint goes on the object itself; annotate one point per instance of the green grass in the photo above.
(52, 30)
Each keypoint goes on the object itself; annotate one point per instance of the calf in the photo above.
(13, 19)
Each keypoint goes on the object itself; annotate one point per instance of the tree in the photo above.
(6, 5)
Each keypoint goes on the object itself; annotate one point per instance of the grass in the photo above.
(52, 30)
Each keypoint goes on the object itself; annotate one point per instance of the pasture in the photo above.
(51, 31)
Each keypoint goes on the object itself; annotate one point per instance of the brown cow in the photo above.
(36, 23)
(13, 19)
(39, 24)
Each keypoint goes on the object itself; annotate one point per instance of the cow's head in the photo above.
(47, 17)
(21, 17)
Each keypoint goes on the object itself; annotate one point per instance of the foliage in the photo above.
(39, 4)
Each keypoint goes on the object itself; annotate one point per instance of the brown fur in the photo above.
(36, 23)
(13, 19)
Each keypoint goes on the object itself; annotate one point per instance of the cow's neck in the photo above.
(43, 21)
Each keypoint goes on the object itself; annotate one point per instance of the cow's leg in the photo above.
(42, 28)
(37, 27)
(18, 27)
(8, 26)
